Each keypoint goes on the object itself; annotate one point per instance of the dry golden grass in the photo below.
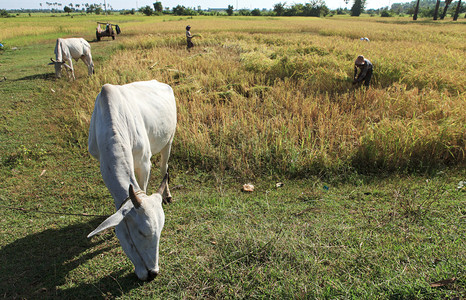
(274, 95)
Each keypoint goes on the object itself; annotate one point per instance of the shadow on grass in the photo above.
(34, 266)
(44, 76)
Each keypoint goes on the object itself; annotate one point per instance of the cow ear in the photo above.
(52, 63)
(111, 221)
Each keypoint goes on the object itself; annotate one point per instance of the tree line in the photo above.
(316, 8)
(425, 8)
(430, 10)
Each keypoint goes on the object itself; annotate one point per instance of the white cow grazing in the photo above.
(129, 124)
(72, 48)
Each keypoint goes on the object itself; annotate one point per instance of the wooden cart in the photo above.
(106, 29)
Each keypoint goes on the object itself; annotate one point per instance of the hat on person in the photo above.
(188, 27)
(360, 60)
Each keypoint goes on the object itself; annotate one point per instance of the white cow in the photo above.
(72, 48)
(129, 124)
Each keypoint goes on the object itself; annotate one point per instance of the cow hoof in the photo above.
(167, 200)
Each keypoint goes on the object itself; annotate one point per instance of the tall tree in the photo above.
(256, 12)
(436, 10)
(358, 7)
(230, 10)
(416, 10)
(457, 11)
(179, 10)
(147, 10)
(279, 8)
(447, 3)
(158, 8)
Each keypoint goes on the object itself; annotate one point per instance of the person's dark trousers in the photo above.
(367, 79)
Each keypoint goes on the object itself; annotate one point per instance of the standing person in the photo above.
(365, 73)
(189, 36)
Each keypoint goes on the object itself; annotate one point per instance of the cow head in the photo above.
(138, 225)
(58, 65)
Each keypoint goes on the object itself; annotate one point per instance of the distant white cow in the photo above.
(129, 124)
(72, 48)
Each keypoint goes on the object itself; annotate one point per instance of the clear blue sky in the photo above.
(249, 4)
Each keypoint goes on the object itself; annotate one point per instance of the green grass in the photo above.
(372, 239)
(385, 235)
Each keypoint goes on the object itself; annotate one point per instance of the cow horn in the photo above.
(52, 60)
(137, 202)
(165, 180)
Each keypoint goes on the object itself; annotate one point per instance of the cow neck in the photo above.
(118, 172)
(118, 163)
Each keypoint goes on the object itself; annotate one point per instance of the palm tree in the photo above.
(457, 11)
(416, 10)
(447, 3)
(436, 10)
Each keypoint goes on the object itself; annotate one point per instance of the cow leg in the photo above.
(70, 63)
(164, 155)
(88, 61)
(142, 166)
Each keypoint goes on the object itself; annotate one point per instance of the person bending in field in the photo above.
(189, 37)
(365, 71)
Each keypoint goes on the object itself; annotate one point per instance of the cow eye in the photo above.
(143, 234)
